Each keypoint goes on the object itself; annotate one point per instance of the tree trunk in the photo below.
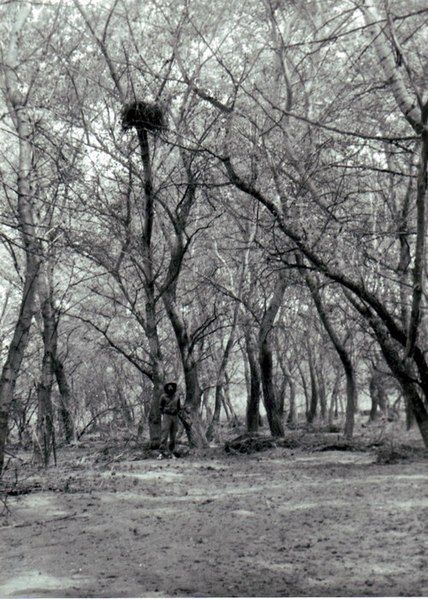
(45, 433)
(205, 399)
(16, 350)
(377, 394)
(406, 380)
(151, 311)
(227, 402)
(270, 401)
(266, 362)
(196, 434)
(125, 409)
(158, 378)
(17, 102)
(192, 419)
(321, 394)
(215, 421)
(292, 414)
(45, 422)
(246, 370)
(155, 420)
(401, 369)
(225, 405)
(351, 394)
(313, 405)
(332, 412)
(410, 417)
(305, 388)
(373, 390)
(288, 380)
(193, 426)
(253, 399)
(280, 393)
(65, 399)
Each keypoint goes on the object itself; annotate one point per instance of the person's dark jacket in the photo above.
(170, 405)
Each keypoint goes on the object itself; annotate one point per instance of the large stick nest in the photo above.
(143, 116)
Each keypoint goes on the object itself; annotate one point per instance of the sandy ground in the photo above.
(277, 523)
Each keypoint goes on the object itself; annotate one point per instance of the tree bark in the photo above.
(227, 402)
(377, 394)
(151, 311)
(193, 423)
(313, 405)
(253, 399)
(321, 393)
(401, 369)
(332, 412)
(45, 422)
(292, 414)
(266, 362)
(65, 398)
(17, 104)
(373, 390)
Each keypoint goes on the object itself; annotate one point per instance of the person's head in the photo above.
(170, 388)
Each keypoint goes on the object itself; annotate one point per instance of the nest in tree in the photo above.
(143, 115)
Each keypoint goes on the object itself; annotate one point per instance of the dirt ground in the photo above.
(279, 523)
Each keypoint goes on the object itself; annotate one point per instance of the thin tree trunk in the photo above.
(246, 369)
(65, 399)
(373, 390)
(410, 417)
(332, 412)
(191, 416)
(313, 405)
(351, 394)
(218, 401)
(233, 420)
(321, 393)
(151, 311)
(377, 393)
(124, 408)
(45, 421)
(292, 414)
(253, 399)
(266, 362)
(305, 387)
(269, 396)
(225, 406)
(419, 274)
(205, 399)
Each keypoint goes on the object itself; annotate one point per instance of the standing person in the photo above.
(169, 407)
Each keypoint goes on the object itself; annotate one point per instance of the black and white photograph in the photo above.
(213, 298)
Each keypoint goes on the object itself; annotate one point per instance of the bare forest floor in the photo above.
(109, 521)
